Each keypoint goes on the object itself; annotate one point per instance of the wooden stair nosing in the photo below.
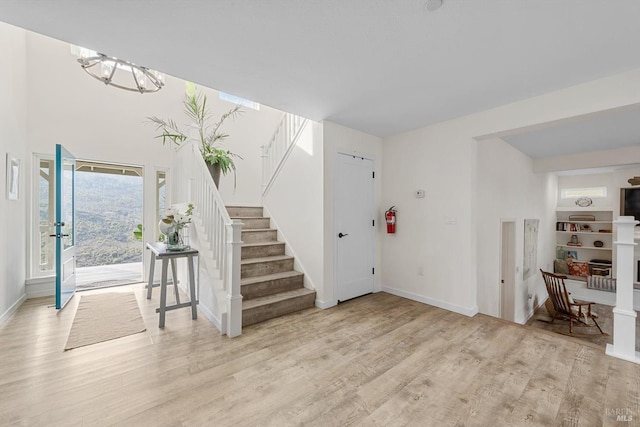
(270, 277)
(275, 298)
(266, 259)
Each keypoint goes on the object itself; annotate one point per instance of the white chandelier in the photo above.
(117, 72)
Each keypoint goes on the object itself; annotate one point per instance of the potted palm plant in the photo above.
(209, 135)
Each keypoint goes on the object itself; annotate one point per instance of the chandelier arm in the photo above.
(88, 65)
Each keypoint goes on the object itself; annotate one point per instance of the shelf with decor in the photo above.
(584, 242)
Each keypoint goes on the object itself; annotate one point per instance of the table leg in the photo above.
(151, 270)
(192, 288)
(163, 292)
(174, 273)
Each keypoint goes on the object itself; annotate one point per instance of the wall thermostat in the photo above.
(419, 194)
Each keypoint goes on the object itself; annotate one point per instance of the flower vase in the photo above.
(173, 239)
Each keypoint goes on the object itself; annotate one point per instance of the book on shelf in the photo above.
(571, 226)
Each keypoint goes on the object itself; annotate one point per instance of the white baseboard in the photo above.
(41, 287)
(212, 317)
(437, 303)
(325, 304)
(610, 351)
(532, 311)
(12, 309)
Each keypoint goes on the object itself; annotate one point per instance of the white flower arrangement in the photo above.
(174, 218)
(172, 226)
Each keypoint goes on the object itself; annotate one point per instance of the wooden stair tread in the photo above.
(266, 259)
(251, 230)
(254, 244)
(269, 277)
(257, 244)
(270, 299)
(249, 217)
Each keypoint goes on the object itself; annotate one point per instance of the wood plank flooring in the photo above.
(605, 320)
(379, 360)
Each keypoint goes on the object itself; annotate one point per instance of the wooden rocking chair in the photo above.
(565, 308)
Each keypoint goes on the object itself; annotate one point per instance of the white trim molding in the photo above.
(470, 312)
(7, 314)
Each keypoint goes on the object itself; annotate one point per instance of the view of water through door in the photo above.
(109, 200)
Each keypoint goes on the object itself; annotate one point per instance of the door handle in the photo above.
(340, 235)
(58, 235)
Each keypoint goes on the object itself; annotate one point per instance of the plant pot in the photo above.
(214, 170)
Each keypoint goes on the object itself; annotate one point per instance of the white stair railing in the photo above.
(275, 153)
(218, 235)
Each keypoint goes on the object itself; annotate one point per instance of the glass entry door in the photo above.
(65, 226)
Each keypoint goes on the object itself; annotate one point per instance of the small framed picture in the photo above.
(13, 177)
(572, 255)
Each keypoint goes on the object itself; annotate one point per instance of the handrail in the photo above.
(276, 152)
(218, 233)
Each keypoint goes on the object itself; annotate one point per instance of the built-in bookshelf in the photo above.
(586, 236)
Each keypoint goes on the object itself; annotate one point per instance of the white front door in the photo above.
(354, 226)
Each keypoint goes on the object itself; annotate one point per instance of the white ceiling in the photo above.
(595, 133)
(379, 66)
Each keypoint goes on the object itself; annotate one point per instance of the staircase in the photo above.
(270, 287)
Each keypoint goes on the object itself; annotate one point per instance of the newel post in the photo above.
(234, 297)
(624, 316)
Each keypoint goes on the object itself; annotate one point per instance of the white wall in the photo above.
(509, 189)
(338, 138)
(13, 137)
(441, 159)
(294, 203)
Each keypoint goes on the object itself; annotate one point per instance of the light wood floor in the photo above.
(605, 320)
(378, 360)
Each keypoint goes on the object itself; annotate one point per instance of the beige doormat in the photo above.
(104, 317)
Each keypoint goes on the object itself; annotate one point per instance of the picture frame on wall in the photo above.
(13, 177)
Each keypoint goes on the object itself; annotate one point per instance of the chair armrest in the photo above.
(580, 303)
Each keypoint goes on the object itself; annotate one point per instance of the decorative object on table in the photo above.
(174, 226)
(209, 135)
(572, 256)
(13, 177)
(118, 72)
(598, 243)
(530, 247)
(583, 202)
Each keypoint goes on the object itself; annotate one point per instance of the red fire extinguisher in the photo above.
(390, 217)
